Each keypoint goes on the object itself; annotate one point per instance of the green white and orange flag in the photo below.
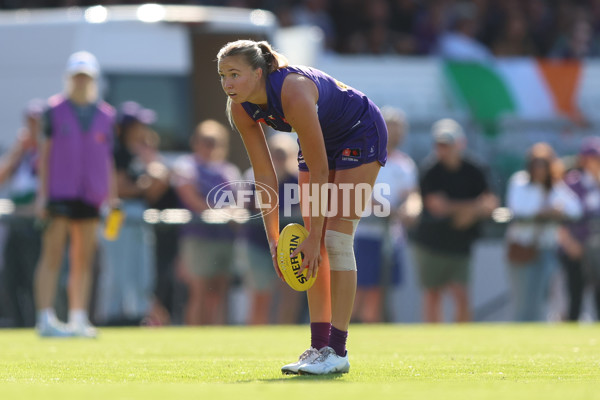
(527, 88)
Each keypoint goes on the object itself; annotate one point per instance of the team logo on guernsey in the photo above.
(342, 85)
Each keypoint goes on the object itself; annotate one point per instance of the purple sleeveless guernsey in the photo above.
(80, 162)
(353, 129)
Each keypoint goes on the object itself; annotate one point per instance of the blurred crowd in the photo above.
(61, 264)
(64, 260)
(540, 28)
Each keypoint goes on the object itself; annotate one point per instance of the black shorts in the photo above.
(72, 209)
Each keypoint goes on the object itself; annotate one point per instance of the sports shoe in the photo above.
(328, 362)
(306, 357)
(83, 329)
(53, 328)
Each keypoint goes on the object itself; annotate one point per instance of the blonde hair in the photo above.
(257, 55)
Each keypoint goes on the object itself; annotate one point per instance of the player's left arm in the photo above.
(299, 96)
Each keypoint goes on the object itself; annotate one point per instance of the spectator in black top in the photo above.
(455, 197)
(19, 170)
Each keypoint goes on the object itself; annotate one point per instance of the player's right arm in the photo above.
(264, 173)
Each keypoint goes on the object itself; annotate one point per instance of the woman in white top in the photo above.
(539, 201)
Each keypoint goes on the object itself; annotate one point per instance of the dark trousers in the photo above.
(576, 282)
(21, 253)
(167, 248)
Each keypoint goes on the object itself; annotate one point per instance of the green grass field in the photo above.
(387, 362)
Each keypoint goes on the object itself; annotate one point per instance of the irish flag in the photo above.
(527, 88)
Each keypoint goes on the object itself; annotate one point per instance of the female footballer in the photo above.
(343, 139)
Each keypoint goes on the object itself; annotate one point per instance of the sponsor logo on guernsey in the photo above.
(349, 154)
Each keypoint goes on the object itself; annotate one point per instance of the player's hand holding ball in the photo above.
(291, 249)
(310, 249)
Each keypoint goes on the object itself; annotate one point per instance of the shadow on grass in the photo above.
(298, 378)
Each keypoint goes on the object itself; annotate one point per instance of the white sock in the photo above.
(46, 315)
(78, 316)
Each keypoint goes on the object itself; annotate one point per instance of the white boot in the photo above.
(328, 362)
(306, 357)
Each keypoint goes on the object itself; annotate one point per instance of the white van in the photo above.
(160, 56)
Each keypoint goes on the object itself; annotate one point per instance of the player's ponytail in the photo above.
(273, 59)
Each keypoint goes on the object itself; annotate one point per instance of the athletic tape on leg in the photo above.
(340, 249)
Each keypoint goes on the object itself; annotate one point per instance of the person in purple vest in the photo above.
(76, 178)
(343, 138)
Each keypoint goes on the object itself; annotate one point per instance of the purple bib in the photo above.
(80, 161)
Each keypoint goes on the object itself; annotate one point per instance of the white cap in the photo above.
(83, 62)
(447, 131)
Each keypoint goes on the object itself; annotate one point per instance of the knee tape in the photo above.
(340, 249)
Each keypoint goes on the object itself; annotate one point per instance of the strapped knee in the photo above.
(340, 249)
